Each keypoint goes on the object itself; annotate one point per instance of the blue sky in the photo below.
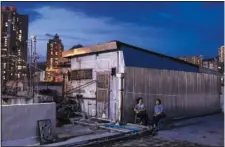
(172, 28)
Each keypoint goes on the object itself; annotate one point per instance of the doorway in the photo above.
(102, 94)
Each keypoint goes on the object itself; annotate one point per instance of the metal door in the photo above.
(102, 94)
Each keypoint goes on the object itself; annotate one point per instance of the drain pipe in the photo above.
(120, 94)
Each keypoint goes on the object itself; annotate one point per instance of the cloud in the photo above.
(77, 27)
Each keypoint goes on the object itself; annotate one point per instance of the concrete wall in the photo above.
(19, 122)
(16, 100)
(98, 63)
(222, 102)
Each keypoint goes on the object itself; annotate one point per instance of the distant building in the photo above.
(40, 72)
(54, 52)
(211, 63)
(197, 60)
(62, 68)
(14, 30)
(221, 54)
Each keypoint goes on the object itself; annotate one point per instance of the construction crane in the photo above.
(64, 36)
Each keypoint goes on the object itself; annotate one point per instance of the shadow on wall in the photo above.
(222, 103)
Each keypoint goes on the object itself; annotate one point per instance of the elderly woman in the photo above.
(140, 110)
(158, 112)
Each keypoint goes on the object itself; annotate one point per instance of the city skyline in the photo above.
(165, 27)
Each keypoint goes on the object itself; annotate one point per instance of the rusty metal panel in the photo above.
(91, 49)
(81, 74)
(182, 93)
(102, 92)
(102, 80)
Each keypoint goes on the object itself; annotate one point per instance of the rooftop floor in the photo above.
(197, 132)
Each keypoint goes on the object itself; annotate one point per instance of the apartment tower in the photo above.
(54, 53)
(221, 54)
(14, 30)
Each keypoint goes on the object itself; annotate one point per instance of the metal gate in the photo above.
(102, 94)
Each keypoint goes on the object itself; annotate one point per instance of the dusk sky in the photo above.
(172, 28)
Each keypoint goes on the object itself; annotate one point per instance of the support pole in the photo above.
(63, 87)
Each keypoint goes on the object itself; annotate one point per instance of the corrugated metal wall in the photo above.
(182, 93)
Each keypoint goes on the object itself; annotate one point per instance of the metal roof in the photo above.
(155, 53)
(116, 45)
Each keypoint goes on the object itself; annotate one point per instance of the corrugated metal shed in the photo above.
(137, 57)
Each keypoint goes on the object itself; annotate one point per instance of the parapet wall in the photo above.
(222, 98)
(19, 122)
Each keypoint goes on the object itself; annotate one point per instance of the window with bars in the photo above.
(81, 74)
(102, 81)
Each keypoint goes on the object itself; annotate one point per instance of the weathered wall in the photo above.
(19, 122)
(16, 100)
(98, 62)
(182, 93)
(222, 102)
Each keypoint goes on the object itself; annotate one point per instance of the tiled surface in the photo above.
(153, 142)
(197, 132)
(208, 131)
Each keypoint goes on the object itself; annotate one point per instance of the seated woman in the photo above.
(158, 113)
(140, 110)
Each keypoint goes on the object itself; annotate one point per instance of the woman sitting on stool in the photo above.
(140, 111)
(158, 113)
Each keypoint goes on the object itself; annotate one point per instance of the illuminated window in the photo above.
(56, 53)
(19, 67)
(20, 37)
(6, 24)
(4, 65)
(51, 53)
(18, 75)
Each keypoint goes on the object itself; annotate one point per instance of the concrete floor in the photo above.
(198, 132)
(79, 133)
(207, 131)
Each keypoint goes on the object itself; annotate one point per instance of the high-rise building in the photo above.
(54, 53)
(197, 60)
(221, 54)
(211, 63)
(14, 30)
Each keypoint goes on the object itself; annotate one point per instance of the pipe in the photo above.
(120, 94)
